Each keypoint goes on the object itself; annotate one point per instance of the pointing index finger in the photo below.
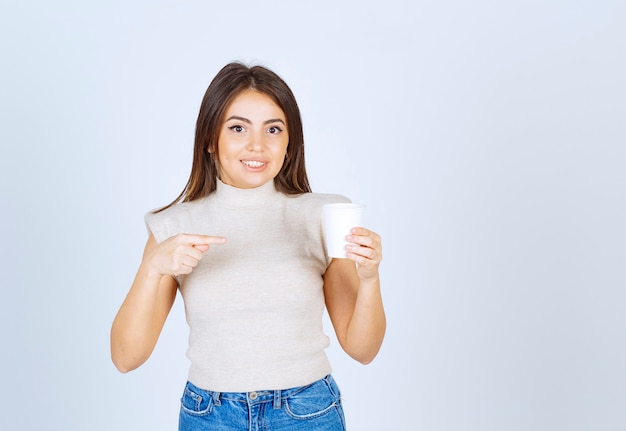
(206, 239)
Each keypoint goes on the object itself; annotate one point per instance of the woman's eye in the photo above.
(274, 129)
(237, 128)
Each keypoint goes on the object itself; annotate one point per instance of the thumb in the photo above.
(202, 247)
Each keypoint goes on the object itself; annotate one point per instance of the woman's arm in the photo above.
(353, 297)
(140, 319)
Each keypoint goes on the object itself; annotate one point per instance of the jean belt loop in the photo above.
(277, 399)
(216, 398)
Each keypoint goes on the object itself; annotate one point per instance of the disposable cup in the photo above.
(338, 220)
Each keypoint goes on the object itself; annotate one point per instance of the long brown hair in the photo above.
(229, 82)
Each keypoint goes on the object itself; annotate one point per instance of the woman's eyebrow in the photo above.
(274, 120)
(245, 120)
(236, 117)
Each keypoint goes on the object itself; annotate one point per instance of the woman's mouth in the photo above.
(254, 164)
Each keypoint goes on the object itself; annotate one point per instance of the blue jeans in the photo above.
(313, 407)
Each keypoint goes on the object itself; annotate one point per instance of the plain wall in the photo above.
(486, 138)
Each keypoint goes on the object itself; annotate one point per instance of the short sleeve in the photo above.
(160, 225)
(310, 212)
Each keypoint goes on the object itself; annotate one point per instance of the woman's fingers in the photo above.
(196, 240)
(181, 253)
(365, 249)
(365, 242)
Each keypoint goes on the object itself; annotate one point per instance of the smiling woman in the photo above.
(243, 243)
(253, 141)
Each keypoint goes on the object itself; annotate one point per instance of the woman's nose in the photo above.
(257, 141)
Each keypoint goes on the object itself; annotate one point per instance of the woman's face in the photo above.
(252, 141)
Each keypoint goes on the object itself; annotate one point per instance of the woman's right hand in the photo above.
(179, 254)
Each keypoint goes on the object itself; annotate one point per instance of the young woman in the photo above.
(244, 245)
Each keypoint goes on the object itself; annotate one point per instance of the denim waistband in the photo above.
(256, 397)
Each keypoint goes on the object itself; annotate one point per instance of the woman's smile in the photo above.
(254, 164)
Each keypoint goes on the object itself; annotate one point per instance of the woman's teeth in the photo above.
(252, 163)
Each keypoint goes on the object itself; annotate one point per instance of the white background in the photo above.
(487, 139)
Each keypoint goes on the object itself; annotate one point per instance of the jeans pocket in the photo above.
(195, 401)
(312, 401)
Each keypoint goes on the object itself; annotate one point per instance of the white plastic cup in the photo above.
(337, 221)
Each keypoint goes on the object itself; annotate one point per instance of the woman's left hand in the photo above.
(366, 250)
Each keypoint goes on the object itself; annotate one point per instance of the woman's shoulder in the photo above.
(320, 199)
(180, 217)
(175, 211)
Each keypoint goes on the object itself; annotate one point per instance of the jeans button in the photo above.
(253, 395)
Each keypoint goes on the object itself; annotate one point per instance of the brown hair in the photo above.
(233, 79)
